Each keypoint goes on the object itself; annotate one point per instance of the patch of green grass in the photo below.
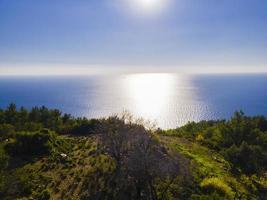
(217, 184)
(207, 162)
(208, 168)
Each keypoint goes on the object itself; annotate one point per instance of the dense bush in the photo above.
(3, 164)
(85, 127)
(242, 140)
(6, 130)
(31, 143)
(13, 119)
(3, 158)
(44, 195)
(250, 158)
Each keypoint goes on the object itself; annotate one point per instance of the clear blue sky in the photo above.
(108, 32)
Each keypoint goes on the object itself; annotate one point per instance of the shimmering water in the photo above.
(169, 99)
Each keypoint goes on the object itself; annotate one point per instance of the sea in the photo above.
(168, 100)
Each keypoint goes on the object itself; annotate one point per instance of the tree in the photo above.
(11, 114)
(144, 169)
(32, 143)
(249, 158)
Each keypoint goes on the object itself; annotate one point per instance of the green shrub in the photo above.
(85, 127)
(217, 185)
(24, 182)
(3, 158)
(249, 158)
(44, 195)
(6, 130)
(3, 164)
(32, 143)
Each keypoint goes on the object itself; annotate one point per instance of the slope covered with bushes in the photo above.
(45, 154)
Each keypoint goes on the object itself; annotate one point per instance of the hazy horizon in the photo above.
(7, 70)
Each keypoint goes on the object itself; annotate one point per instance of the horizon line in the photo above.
(71, 70)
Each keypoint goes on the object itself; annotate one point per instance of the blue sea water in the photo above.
(170, 100)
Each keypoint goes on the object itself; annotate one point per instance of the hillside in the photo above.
(45, 154)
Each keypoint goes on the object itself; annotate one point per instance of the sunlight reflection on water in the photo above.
(161, 97)
(149, 93)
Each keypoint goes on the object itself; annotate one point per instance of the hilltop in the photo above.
(45, 154)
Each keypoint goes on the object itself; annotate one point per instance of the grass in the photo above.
(211, 172)
(218, 185)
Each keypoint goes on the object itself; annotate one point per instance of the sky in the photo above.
(52, 36)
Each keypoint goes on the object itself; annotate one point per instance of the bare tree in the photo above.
(142, 163)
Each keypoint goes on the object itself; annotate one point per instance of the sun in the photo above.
(148, 6)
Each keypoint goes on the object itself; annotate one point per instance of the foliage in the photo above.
(42, 117)
(3, 164)
(31, 143)
(249, 158)
(85, 127)
(217, 185)
(242, 140)
(45, 154)
(44, 195)
(6, 130)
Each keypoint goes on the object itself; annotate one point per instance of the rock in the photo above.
(63, 155)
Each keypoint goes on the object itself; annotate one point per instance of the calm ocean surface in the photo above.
(171, 100)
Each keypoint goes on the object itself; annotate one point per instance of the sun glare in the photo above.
(148, 6)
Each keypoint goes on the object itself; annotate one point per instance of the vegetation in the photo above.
(45, 154)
